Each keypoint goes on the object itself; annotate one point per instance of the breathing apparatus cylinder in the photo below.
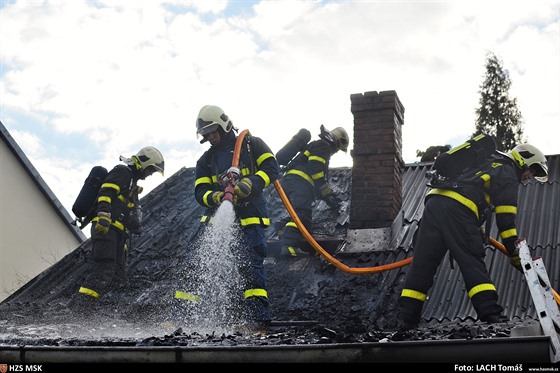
(471, 153)
(88, 194)
(293, 147)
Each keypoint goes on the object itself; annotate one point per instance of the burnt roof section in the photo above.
(307, 289)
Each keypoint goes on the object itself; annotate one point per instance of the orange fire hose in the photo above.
(498, 245)
(237, 148)
(324, 253)
(305, 232)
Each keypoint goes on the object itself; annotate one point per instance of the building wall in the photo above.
(32, 234)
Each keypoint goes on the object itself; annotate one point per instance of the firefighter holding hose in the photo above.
(217, 180)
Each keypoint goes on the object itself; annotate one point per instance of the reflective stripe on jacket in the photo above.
(256, 161)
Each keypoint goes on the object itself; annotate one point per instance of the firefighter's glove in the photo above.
(103, 223)
(243, 188)
(217, 198)
(139, 189)
(325, 191)
(515, 261)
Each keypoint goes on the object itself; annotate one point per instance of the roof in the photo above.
(308, 289)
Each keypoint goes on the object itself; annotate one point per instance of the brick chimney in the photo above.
(377, 159)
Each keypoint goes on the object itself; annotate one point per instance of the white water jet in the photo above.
(211, 274)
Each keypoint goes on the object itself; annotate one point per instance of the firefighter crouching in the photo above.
(118, 214)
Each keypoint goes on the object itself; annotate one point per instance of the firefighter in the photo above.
(306, 180)
(452, 221)
(118, 215)
(258, 169)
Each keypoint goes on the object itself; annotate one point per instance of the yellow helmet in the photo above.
(528, 156)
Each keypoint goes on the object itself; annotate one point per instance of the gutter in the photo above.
(496, 350)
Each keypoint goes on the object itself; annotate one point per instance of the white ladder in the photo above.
(543, 297)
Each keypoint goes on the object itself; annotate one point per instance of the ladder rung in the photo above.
(541, 292)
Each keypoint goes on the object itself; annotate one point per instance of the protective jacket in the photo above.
(119, 196)
(312, 165)
(256, 162)
(307, 173)
(451, 221)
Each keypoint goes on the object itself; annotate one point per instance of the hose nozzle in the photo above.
(228, 194)
(230, 177)
(234, 171)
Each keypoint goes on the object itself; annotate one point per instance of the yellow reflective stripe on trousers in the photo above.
(91, 293)
(482, 287)
(255, 293)
(414, 295)
(292, 251)
(457, 197)
(255, 220)
(187, 296)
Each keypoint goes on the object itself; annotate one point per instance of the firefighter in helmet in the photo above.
(117, 216)
(257, 169)
(452, 221)
(306, 180)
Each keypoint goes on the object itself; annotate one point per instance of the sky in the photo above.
(83, 82)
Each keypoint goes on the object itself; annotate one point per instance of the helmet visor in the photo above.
(204, 127)
(343, 144)
(159, 167)
(541, 172)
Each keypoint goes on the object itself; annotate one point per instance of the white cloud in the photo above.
(89, 81)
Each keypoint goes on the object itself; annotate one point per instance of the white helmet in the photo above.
(150, 157)
(338, 137)
(528, 156)
(211, 117)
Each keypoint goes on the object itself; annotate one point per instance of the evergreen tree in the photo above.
(432, 152)
(498, 114)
